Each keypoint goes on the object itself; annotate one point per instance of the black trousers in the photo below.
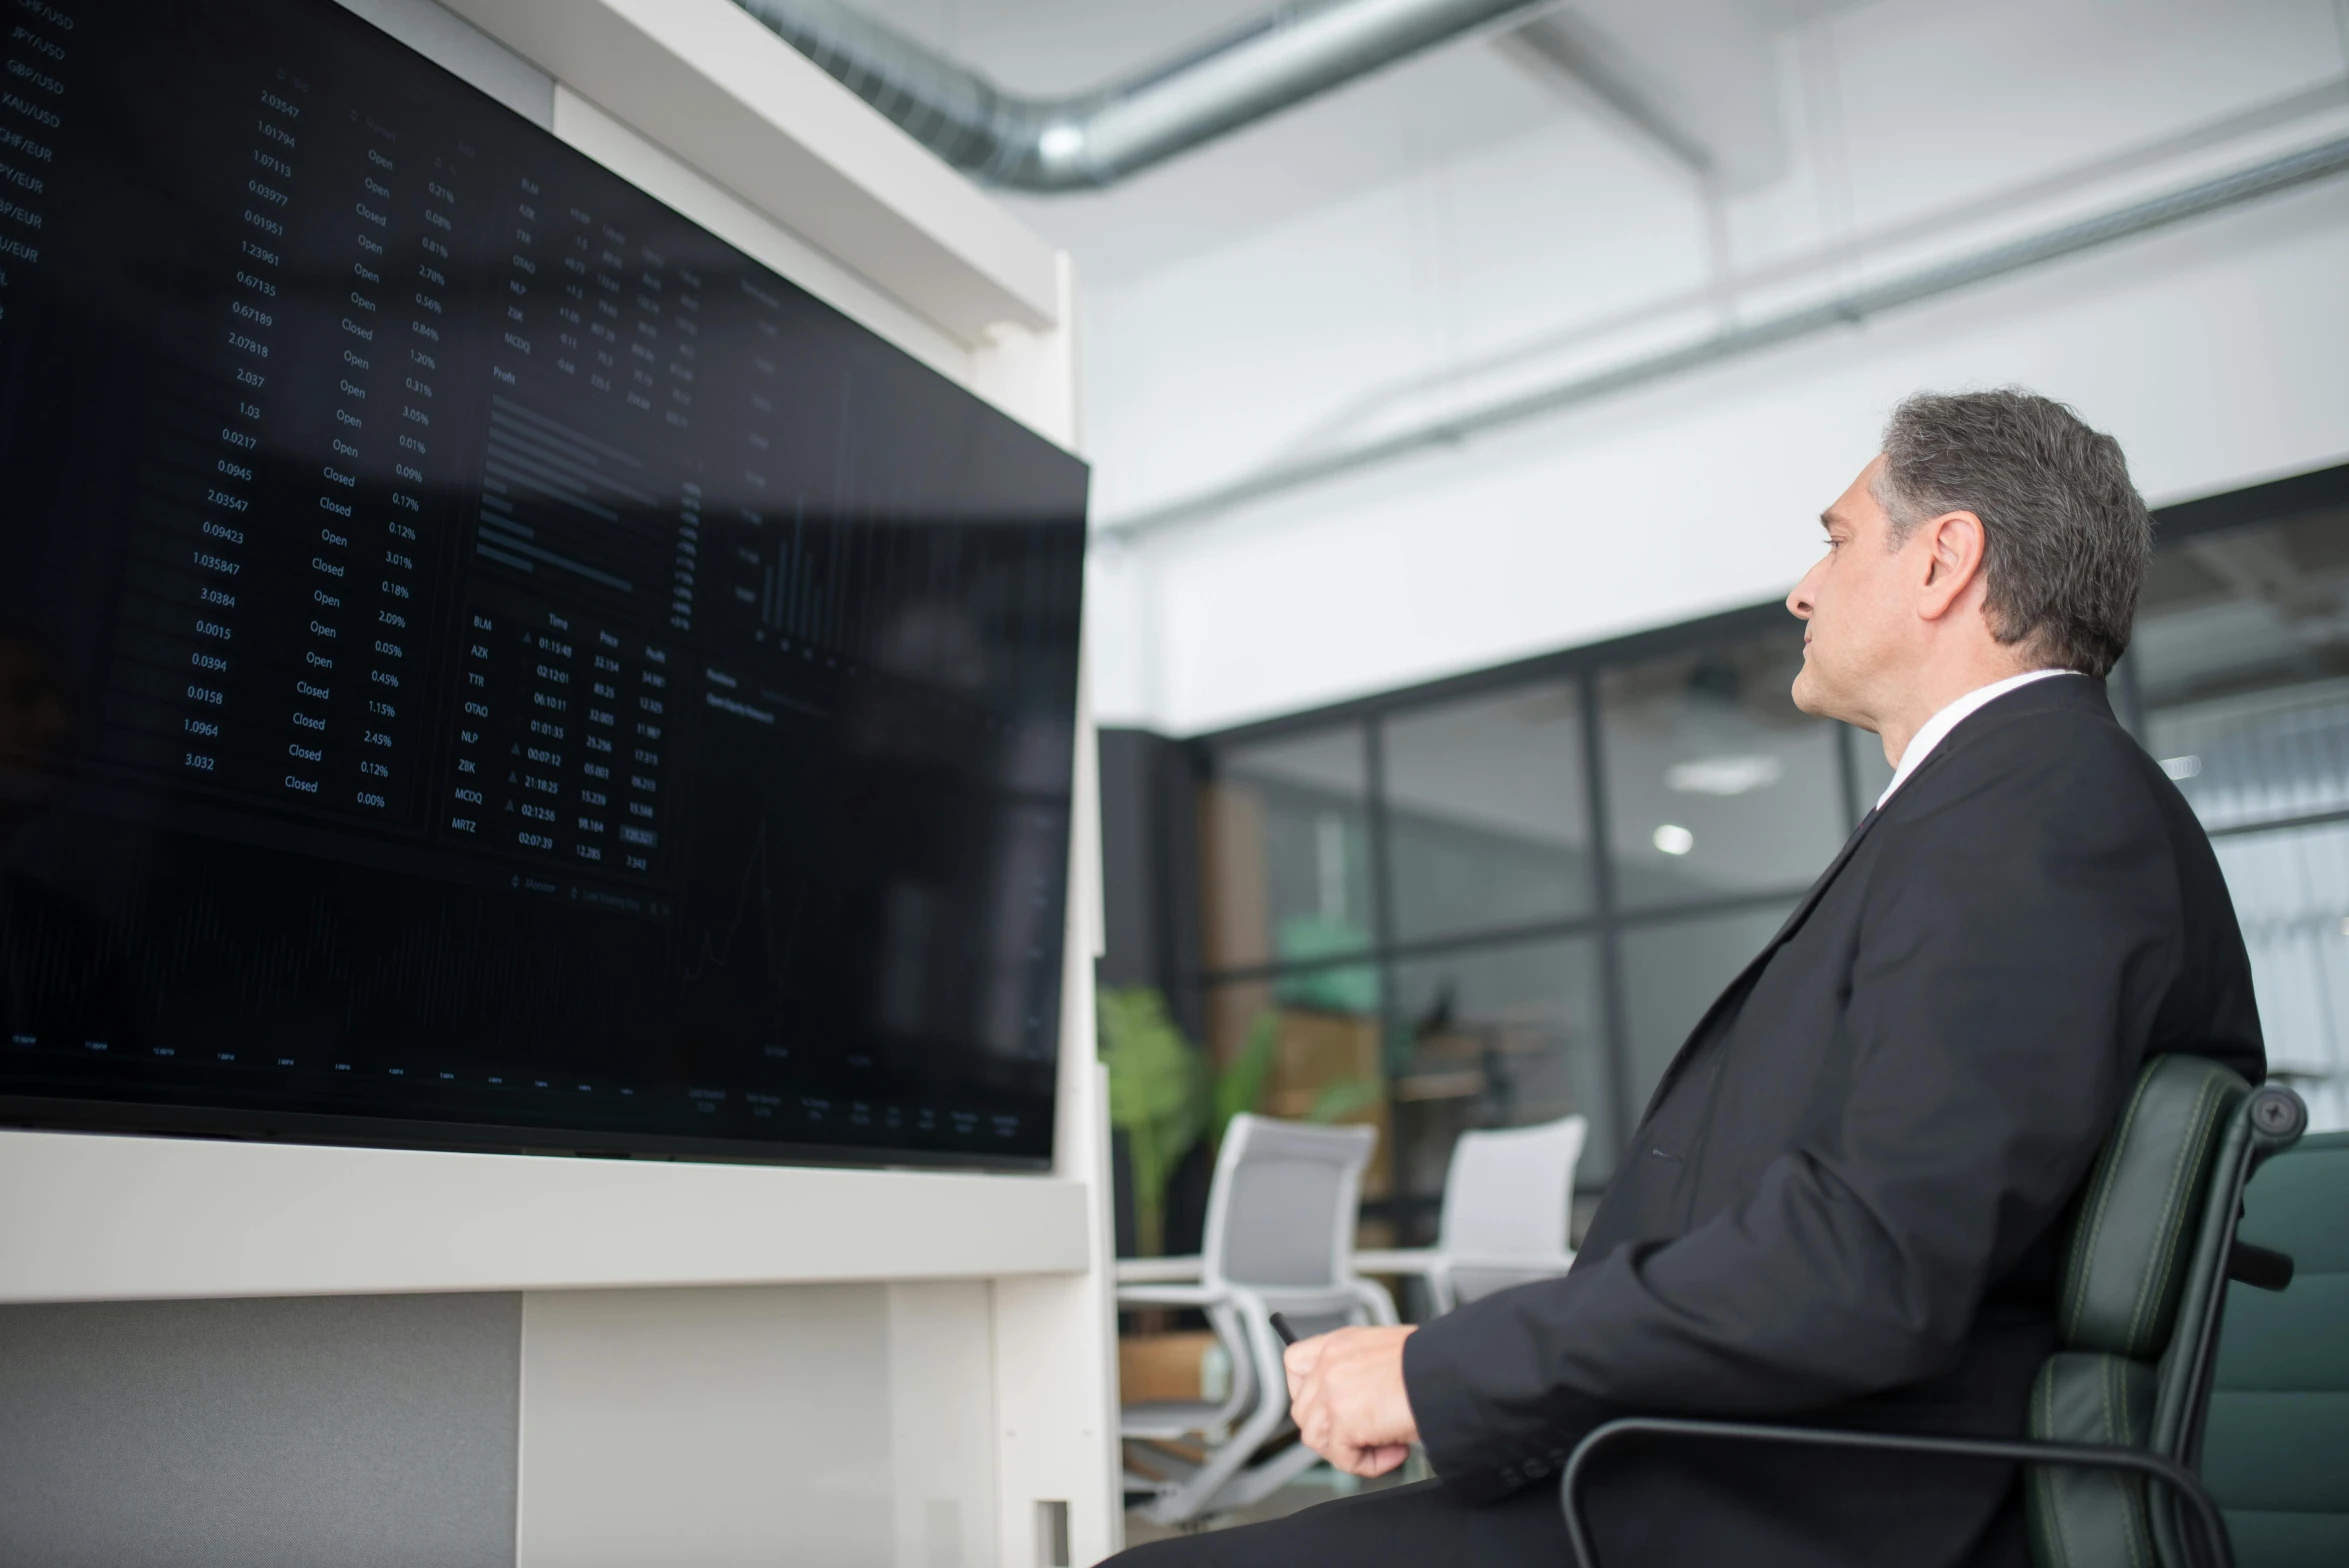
(1422, 1526)
(1641, 1516)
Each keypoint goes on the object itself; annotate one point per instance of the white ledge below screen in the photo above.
(96, 1217)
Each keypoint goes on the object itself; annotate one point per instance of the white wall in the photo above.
(362, 1431)
(1920, 131)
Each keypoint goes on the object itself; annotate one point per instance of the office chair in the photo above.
(1508, 1198)
(1280, 1231)
(2279, 1403)
(2122, 1401)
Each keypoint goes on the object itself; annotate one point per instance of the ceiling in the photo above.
(1695, 82)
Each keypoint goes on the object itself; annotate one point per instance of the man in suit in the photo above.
(1845, 1201)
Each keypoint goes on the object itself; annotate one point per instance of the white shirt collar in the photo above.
(1936, 729)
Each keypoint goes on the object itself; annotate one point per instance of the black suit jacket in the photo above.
(1844, 1203)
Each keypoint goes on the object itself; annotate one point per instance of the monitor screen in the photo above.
(483, 662)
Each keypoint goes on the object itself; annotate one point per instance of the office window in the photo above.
(1302, 1047)
(2242, 670)
(1496, 1037)
(1285, 840)
(1486, 813)
(1672, 971)
(1717, 785)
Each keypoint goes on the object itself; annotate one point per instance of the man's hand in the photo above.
(1346, 1395)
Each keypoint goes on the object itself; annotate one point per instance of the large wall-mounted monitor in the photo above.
(483, 662)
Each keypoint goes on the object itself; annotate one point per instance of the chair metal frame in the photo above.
(1240, 1312)
(2183, 1481)
(2277, 1117)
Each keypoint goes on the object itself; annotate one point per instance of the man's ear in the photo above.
(1953, 545)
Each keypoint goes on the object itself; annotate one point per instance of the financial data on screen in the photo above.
(484, 662)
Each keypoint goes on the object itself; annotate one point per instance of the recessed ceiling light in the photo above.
(1673, 839)
(2181, 767)
(1723, 775)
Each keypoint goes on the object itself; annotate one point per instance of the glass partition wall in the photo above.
(2241, 677)
(1505, 899)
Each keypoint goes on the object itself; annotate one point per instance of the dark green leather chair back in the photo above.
(2276, 1448)
(2120, 1404)
(2143, 1282)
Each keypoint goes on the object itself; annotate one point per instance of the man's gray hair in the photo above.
(2065, 536)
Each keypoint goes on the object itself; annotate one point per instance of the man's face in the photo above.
(1856, 606)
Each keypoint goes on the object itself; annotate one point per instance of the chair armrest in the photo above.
(1532, 1265)
(1419, 1261)
(2262, 1268)
(1159, 1271)
(2013, 1451)
(1171, 1295)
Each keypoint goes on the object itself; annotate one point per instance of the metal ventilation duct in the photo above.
(1098, 138)
(2325, 161)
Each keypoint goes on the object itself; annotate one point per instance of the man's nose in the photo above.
(1798, 603)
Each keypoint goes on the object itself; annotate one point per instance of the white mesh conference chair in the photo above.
(1280, 1229)
(1508, 1200)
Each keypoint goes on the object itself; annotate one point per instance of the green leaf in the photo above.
(1240, 1087)
(1157, 1096)
(1345, 1097)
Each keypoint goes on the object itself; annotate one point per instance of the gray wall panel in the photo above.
(349, 1430)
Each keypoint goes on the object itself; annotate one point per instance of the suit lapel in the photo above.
(1810, 900)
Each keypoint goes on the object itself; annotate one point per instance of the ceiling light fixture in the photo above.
(1724, 775)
